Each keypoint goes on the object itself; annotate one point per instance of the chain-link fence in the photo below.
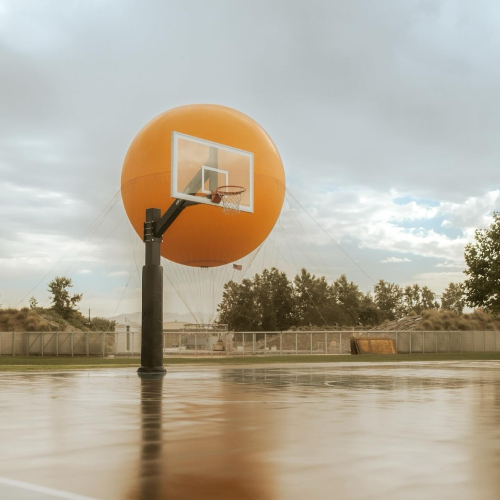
(57, 343)
(239, 343)
(407, 342)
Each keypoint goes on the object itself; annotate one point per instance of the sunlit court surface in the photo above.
(349, 431)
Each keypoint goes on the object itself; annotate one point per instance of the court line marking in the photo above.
(43, 489)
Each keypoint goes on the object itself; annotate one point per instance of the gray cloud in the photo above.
(358, 95)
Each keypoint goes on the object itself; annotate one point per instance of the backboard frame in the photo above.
(205, 198)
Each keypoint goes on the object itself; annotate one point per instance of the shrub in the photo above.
(22, 314)
(438, 325)
(32, 325)
(103, 325)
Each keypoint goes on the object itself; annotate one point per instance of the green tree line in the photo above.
(270, 301)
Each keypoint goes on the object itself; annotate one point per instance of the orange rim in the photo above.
(234, 190)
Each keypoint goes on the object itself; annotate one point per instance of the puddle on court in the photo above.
(391, 432)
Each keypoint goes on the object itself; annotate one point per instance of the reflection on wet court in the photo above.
(350, 431)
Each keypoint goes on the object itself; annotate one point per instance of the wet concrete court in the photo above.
(313, 432)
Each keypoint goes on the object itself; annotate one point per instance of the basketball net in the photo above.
(231, 198)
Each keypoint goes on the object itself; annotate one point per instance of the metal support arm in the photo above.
(167, 219)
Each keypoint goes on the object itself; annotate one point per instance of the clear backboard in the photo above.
(199, 167)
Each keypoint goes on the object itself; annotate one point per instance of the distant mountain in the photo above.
(167, 317)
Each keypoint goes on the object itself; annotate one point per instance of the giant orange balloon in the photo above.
(203, 235)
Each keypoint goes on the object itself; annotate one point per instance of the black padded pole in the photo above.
(152, 299)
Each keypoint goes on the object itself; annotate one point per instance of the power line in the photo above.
(329, 236)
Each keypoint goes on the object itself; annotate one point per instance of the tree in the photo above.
(275, 298)
(389, 299)
(412, 299)
(347, 298)
(428, 299)
(264, 303)
(312, 299)
(416, 299)
(482, 286)
(33, 303)
(62, 302)
(369, 313)
(453, 298)
(238, 308)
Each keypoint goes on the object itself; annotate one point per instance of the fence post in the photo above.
(449, 341)
(41, 343)
(473, 341)
(179, 346)
(57, 343)
(410, 341)
(460, 341)
(340, 343)
(326, 343)
(397, 345)
(133, 343)
(281, 343)
(296, 343)
(243, 342)
(103, 344)
(196, 344)
(311, 342)
(13, 343)
(494, 334)
(27, 343)
(484, 341)
(87, 342)
(1, 343)
(436, 337)
(265, 344)
(116, 343)
(72, 343)
(253, 343)
(423, 342)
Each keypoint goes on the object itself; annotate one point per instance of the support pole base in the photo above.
(152, 370)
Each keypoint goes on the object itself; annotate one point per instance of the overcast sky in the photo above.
(386, 115)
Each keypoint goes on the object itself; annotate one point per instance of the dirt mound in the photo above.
(437, 320)
(448, 320)
(24, 320)
(32, 320)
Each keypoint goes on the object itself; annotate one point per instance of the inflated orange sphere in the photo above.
(186, 153)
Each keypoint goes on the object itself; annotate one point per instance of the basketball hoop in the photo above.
(230, 198)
